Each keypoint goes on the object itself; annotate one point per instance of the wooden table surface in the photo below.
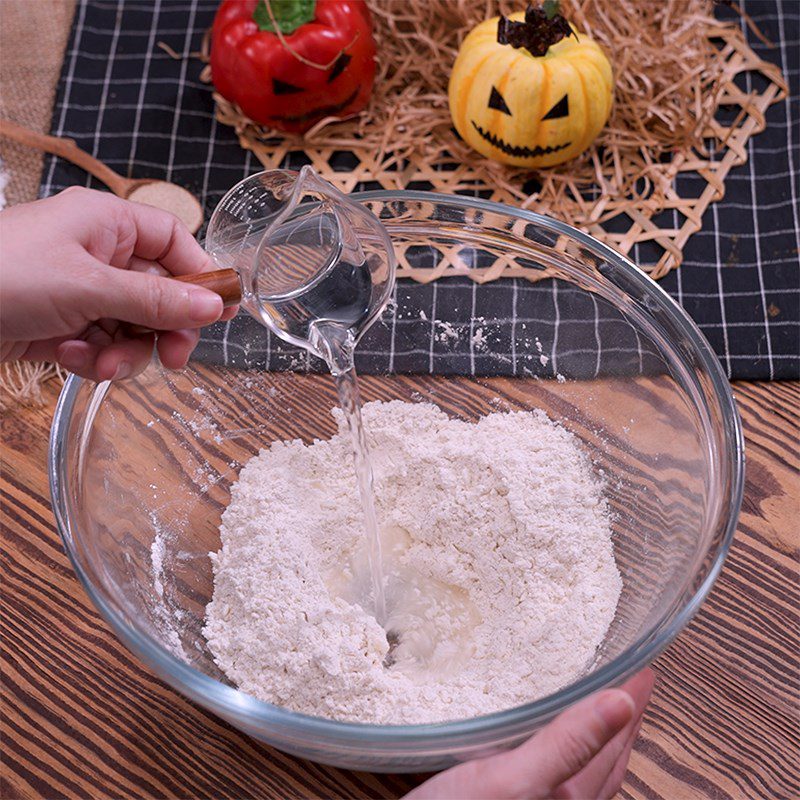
(83, 718)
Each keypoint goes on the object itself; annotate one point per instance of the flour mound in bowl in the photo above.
(501, 579)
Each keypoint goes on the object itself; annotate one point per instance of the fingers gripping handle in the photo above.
(224, 282)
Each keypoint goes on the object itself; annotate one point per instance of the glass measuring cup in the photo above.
(316, 268)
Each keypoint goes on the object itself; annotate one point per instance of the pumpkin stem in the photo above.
(283, 16)
(542, 27)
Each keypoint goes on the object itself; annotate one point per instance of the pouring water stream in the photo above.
(344, 373)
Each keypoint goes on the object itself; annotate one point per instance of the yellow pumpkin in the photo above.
(526, 110)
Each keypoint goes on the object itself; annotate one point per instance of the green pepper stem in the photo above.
(283, 16)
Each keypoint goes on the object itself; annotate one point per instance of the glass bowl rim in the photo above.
(227, 700)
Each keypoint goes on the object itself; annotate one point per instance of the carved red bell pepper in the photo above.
(289, 63)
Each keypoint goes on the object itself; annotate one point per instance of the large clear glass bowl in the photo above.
(141, 470)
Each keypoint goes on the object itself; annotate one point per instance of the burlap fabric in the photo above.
(33, 35)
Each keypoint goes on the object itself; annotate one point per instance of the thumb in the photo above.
(534, 769)
(565, 746)
(152, 301)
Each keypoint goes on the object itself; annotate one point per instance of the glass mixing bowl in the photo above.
(141, 470)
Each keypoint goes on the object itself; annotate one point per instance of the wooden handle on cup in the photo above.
(224, 282)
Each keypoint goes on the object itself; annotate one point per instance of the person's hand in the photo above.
(583, 753)
(76, 265)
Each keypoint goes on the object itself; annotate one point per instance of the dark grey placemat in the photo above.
(127, 102)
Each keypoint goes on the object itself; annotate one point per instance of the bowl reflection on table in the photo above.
(141, 471)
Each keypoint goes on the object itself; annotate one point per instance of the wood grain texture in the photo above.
(82, 718)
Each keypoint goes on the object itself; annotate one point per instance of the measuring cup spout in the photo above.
(335, 344)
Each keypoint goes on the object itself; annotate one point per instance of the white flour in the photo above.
(501, 575)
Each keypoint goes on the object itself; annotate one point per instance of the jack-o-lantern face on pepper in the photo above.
(526, 110)
(321, 65)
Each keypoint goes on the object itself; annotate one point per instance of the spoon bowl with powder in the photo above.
(161, 194)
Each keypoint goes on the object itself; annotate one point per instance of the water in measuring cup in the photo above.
(309, 276)
(339, 299)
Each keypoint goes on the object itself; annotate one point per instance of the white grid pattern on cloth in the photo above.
(739, 280)
(106, 86)
(433, 325)
(151, 43)
(727, 350)
(757, 243)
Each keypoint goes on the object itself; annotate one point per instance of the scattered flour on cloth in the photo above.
(501, 575)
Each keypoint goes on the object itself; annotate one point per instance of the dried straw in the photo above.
(21, 382)
(665, 66)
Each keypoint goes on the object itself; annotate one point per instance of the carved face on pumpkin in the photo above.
(525, 110)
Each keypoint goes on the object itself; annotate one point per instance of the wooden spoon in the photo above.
(160, 194)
